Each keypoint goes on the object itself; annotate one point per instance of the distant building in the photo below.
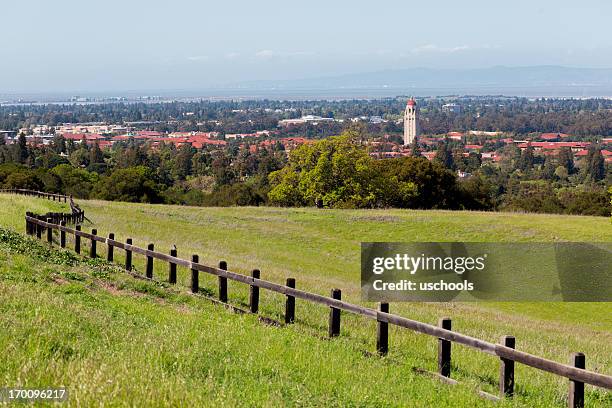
(304, 119)
(455, 136)
(451, 108)
(411, 128)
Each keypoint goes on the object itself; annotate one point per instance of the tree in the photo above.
(548, 169)
(525, 162)
(80, 157)
(435, 186)
(75, 182)
(534, 196)
(335, 172)
(566, 159)
(23, 179)
(414, 149)
(95, 154)
(444, 156)
(134, 184)
(595, 164)
(59, 144)
(21, 153)
(182, 163)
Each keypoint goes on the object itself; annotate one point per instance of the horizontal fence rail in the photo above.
(576, 372)
(50, 196)
(58, 218)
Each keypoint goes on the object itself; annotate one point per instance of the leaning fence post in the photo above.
(128, 255)
(382, 332)
(149, 269)
(223, 283)
(77, 239)
(110, 248)
(506, 370)
(62, 234)
(444, 349)
(92, 249)
(290, 303)
(254, 293)
(576, 388)
(334, 315)
(172, 267)
(49, 231)
(195, 278)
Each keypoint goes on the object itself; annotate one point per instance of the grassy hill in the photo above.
(81, 322)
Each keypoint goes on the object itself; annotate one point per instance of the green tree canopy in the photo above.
(335, 172)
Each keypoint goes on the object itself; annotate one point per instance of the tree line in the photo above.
(582, 118)
(335, 172)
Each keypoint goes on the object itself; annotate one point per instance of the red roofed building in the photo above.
(455, 135)
(489, 156)
(553, 136)
(81, 136)
(429, 155)
(537, 146)
(473, 147)
(102, 144)
(127, 137)
(148, 133)
(581, 153)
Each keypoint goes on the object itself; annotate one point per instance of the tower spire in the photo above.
(410, 122)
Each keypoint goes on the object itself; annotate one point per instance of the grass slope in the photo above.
(114, 340)
(321, 250)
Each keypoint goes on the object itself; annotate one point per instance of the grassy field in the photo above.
(321, 250)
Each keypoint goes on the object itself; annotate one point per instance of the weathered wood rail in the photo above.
(40, 194)
(505, 350)
(75, 216)
(58, 218)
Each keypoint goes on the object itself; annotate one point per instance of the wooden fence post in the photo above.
(128, 255)
(62, 234)
(382, 332)
(290, 303)
(223, 283)
(49, 232)
(77, 239)
(28, 223)
(92, 249)
(254, 292)
(576, 388)
(195, 278)
(110, 249)
(149, 269)
(172, 267)
(444, 349)
(334, 315)
(38, 229)
(506, 370)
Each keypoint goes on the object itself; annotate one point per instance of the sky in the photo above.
(114, 45)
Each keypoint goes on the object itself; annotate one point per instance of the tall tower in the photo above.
(410, 122)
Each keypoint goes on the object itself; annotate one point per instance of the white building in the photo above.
(451, 108)
(411, 127)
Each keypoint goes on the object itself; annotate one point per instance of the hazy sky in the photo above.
(111, 45)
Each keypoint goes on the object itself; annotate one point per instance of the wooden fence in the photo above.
(505, 350)
(59, 218)
(40, 194)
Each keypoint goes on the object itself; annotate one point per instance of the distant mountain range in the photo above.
(480, 80)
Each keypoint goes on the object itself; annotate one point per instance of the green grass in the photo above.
(321, 250)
